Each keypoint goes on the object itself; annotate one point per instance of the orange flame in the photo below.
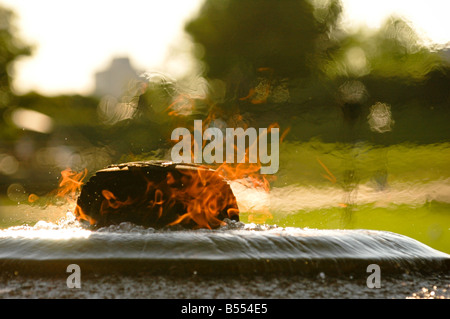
(33, 198)
(246, 173)
(82, 216)
(70, 184)
(181, 106)
(329, 175)
(202, 193)
(113, 202)
(199, 197)
(204, 197)
(260, 93)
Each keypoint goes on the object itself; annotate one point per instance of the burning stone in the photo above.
(157, 194)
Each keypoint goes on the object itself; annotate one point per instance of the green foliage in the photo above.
(66, 110)
(252, 34)
(285, 62)
(395, 50)
(266, 62)
(10, 49)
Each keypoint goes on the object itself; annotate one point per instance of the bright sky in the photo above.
(430, 17)
(73, 39)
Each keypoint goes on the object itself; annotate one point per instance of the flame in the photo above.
(182, 105)
(202, 195)
(69, 187)
(205, 198)
(33, 198)
(260, 93)
(329, 175)
(80, 215)
(70, 184)
(112, 202)
(247, 174)
(196, 196)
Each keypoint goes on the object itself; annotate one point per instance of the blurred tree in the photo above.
(397, 68)
(11, 47)
(288, 61)
(242, 40)
(395, 50)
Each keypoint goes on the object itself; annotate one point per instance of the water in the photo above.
(403, 188)
(237, 261)
(332, 211)
(236, 248)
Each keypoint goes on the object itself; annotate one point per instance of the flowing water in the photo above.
(332, 211)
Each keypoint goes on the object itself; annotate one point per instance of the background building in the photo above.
(114, 80)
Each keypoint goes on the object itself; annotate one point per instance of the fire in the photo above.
(33, 198)
(112, 202)
(248, 175)
(260, 93)
(181, 106)
(195, 196)
(329, 174)
(70, 184)
(79, 213)
(69, 187)
(204, 197)
(190, 195)
(245, 173)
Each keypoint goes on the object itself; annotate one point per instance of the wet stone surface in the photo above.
(228, 287)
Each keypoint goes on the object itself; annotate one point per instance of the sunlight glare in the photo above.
(429, 18)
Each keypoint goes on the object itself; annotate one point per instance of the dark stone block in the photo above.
(157, 194)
